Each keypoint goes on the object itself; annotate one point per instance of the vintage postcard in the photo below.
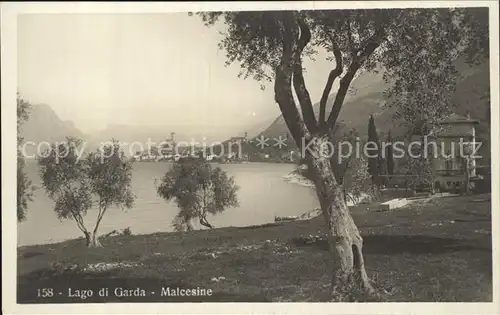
(250, 157)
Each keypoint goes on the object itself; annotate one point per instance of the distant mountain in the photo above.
(256, 129)
(44, 125)
(129, 134)
(367, 98)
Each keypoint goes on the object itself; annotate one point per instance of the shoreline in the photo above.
(284, 177)
(294, 177)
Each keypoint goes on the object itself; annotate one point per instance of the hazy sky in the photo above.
(142, 69)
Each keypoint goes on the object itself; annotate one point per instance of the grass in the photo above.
(435, 251)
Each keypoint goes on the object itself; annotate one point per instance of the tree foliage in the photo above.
(64, 179)
(415, 48)
(199, 190)
(79, 182)
(421, 171)
(426, 79)
(25, 188)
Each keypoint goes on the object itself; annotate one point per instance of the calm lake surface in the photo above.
(263, 195)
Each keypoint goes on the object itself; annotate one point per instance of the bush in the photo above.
(127, 231)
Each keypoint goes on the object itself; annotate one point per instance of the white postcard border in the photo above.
(9, 12)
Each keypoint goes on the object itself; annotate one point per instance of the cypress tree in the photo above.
(374, 150)
(390, 155)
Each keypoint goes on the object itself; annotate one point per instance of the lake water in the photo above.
(263, 195)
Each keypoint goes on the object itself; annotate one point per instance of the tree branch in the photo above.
(78, 218)
(79, 222)
(349, 35)
(298, 77)
(99, 218)
(357, 62)
(335, 73)
(282, 84)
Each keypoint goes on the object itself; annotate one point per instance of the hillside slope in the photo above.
(45, 126)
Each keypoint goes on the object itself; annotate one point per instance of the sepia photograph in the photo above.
(282, 152)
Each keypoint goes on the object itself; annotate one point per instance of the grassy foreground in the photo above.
(439, 250)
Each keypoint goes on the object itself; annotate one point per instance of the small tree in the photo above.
(357, 179)
(421, 172)
(25, 188)
(198, 190)
(72, 181)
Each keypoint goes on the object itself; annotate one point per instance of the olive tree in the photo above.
(77, 182)
(199, 190)
(271, 46)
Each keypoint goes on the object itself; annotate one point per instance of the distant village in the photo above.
(238, 149)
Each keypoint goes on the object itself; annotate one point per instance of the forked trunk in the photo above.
(95, 238)
(92, 239)
(95, 241)
(345, 241)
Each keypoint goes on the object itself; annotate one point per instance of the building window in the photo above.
(448, 164)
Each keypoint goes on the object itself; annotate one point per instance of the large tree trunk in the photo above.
(92, 240)
(345, 241)
(95, 241)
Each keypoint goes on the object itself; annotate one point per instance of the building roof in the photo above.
(458, 119)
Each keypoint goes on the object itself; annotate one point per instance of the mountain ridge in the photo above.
(368, 99)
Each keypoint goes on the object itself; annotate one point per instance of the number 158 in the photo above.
(45, 292)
